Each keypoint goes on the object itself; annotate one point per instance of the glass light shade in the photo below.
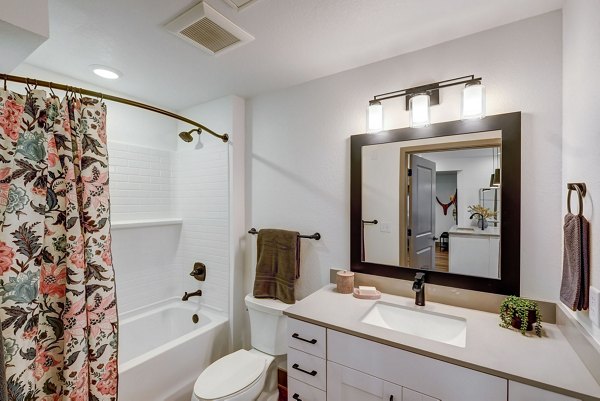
(419, 110)
(473, 101)
(375, 123)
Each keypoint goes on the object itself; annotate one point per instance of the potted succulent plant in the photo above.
(522, 314)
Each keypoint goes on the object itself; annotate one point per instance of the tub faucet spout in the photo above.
(187, 296)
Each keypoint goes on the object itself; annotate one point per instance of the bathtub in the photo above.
(162, 351)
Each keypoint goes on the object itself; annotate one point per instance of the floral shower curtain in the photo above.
(57, 288)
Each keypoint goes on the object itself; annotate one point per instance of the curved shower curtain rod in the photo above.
(102, 96)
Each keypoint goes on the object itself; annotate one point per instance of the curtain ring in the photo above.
(51, 90)
(5, 79)
(35, 84)
(27, 84)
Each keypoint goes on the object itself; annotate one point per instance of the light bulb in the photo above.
(375, 123)
(473, 101)
(419, 110)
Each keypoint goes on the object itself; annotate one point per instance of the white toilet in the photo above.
(249, 375)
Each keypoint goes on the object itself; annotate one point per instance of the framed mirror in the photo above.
(444, 200)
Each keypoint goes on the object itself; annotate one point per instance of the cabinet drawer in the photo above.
(307, 337)
(307, 368)
(298, 391)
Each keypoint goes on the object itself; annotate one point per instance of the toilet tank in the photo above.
(268, 325)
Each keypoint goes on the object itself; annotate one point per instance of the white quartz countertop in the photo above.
(548, 362)
(472, 230)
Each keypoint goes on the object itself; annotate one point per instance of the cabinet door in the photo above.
(298, 391)
(411, 395)
(345, 384)
(522, 392)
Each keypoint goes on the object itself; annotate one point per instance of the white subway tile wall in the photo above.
(153, 263)
(200, 179)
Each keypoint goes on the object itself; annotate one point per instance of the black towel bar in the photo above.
(581, 190)
(315, 236)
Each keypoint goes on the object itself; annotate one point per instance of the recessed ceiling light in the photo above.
(105, 72)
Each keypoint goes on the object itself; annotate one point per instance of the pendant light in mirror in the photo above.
(495, 178)
(419, 110)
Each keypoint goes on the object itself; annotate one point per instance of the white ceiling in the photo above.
(296, 41)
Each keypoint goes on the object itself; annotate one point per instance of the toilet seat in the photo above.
(229, 375)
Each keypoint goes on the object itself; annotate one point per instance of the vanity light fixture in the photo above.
(473, 100)
(473, 104)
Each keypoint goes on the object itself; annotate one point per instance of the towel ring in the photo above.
(581, 191)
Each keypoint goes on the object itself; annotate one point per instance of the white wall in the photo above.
(23, 28)
(581, 119)
(298, 144)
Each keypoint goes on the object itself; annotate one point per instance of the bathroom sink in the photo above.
(467, 229)
(430, 325)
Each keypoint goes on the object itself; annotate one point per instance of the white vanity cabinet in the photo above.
(328, 365)
(522, 392)
(421, 378)
(474, 253)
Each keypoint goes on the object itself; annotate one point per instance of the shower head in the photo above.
(187, 135)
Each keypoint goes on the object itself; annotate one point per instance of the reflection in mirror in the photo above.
(434, 204)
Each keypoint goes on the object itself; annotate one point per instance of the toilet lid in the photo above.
(229, 375)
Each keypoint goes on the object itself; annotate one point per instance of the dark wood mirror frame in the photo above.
(510, 230)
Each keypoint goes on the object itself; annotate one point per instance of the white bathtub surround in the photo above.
(157, 343)
(201, 195)
(140, 182)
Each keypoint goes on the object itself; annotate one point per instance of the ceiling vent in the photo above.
(203, 27)
(239, 4)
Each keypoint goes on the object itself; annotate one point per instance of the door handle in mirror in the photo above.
(434, 238)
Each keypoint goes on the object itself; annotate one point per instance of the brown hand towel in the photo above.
(277, 265)
(574, 289)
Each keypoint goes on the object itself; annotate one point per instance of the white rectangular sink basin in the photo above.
(468, 229)
(430, 325)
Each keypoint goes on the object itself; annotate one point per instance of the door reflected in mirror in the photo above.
(434, 205)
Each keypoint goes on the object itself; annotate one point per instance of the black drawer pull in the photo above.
(392, 397)
(297, 337)
(297, 367)
(296, 397)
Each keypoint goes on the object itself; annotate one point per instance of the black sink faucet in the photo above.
(481, 218)
(187, 296)
(419, 289)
